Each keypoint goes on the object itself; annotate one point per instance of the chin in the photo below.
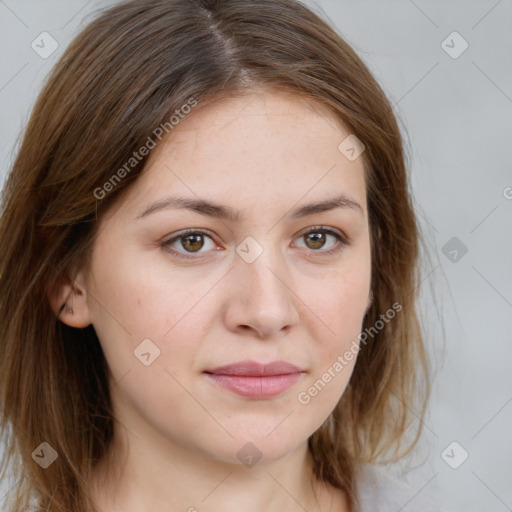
(256, 443)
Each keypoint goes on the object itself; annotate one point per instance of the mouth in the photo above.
(256, 380)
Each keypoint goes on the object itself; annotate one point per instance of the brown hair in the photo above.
(119, 79)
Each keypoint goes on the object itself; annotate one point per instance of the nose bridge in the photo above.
(264, 299)
(264, 278)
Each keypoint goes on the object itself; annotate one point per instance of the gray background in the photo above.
(456, 118)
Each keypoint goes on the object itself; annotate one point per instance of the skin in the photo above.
(177, 434)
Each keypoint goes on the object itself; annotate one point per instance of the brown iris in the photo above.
(192, 243)
(318, 240)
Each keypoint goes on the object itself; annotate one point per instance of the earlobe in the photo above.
(69, 302)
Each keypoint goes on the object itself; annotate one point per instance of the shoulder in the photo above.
(376, 486)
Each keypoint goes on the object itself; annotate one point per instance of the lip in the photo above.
(256, 380)
(255, 369)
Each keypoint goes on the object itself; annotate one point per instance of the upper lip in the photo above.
(253, 368)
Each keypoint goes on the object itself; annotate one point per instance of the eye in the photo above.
(316, 238)
(192, 241)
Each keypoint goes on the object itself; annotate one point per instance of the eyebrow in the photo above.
(224, 212)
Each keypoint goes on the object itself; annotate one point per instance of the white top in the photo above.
(379, 491)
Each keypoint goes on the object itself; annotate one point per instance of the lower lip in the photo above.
(256, 387)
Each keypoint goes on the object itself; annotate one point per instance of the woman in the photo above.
(208, 295)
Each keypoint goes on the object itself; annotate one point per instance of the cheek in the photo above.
(342, 309)
(134, 294)
(136, 303)
(339, 303)
(133, 301)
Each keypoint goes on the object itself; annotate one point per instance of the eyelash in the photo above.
(342, 241)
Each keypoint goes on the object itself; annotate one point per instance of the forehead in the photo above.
(273, 146)
(252, 117)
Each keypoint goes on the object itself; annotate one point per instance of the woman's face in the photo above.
(247, 285)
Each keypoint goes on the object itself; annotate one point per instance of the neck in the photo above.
(158, 476)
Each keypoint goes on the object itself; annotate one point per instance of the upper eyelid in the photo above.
(202, 231)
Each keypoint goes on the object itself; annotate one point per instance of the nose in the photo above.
(261, 297)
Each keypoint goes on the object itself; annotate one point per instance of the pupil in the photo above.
(318, 239)
(194, 245)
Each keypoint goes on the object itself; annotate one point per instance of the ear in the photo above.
(69, 301)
